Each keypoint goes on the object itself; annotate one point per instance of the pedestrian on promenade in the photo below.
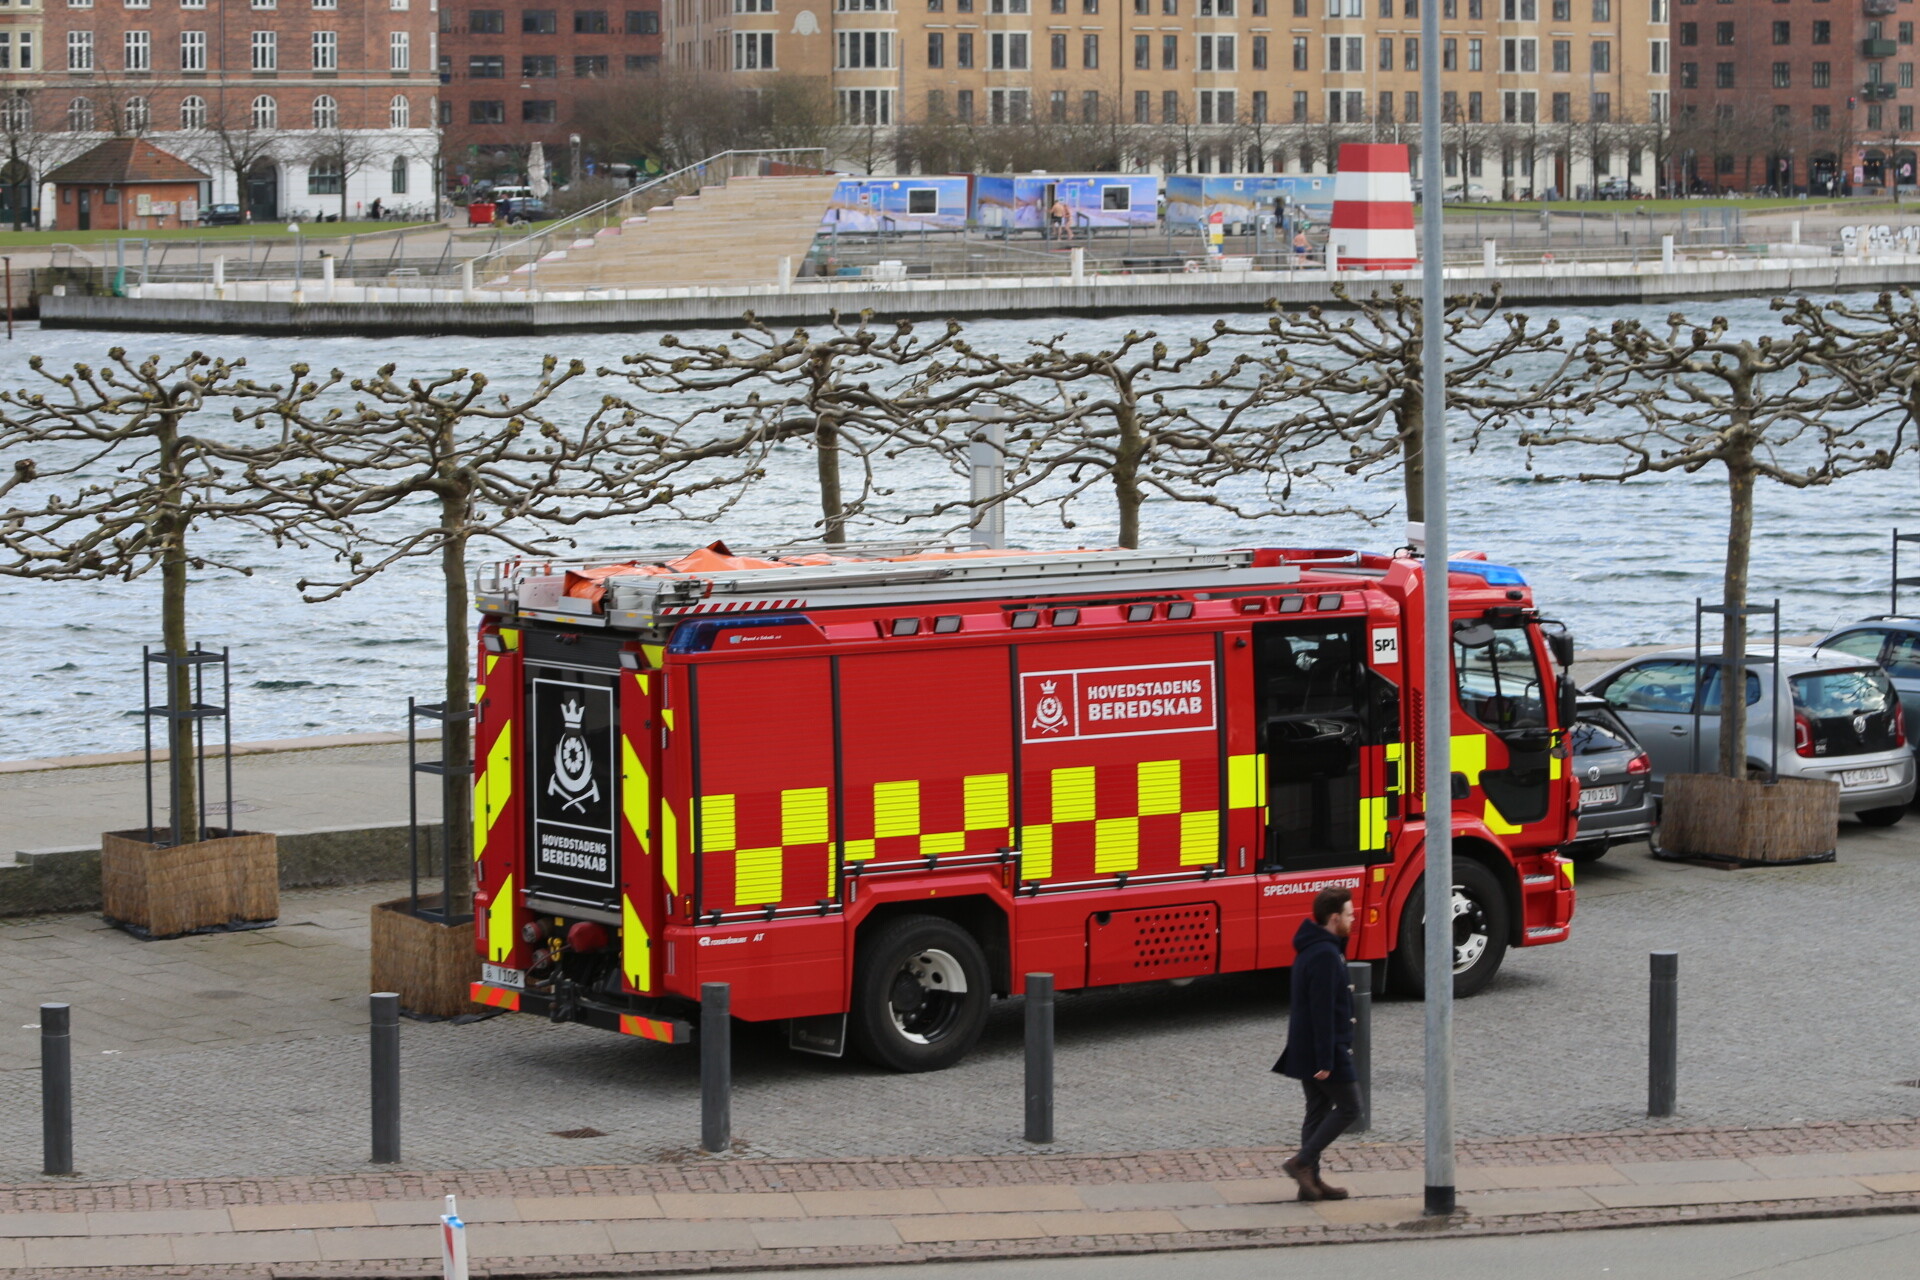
(1062, 219)
(1301, 247)
(1319, 1052)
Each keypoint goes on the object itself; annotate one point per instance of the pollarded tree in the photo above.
(1804, 408)
(114, 473)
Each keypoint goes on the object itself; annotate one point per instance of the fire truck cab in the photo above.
(871, 792)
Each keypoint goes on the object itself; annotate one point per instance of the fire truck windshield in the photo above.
(1499, 677)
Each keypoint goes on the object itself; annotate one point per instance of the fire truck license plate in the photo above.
(499, 975)
(1862, 777)
(1594, 797)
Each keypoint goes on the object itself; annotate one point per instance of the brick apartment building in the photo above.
(1537, 93)
(514, 75)
(1795, 94)
(293, 106)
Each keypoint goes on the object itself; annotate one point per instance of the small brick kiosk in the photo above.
(126, 184)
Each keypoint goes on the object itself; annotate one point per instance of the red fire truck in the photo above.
(871, 792)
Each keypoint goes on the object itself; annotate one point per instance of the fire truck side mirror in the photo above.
(1569, 701)
(1560, 645)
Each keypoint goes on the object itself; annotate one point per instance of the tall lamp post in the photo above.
(1437, 637)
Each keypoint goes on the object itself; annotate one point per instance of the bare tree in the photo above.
(494, 468)
(344, 152)
(1798, 408)
(119, 483)
(239, 139)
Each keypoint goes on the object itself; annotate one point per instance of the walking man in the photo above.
(1319, 1052)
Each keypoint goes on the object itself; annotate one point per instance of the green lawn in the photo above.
(1656, 206)
(259, 230)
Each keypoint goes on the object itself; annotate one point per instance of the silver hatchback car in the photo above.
(1840, 719)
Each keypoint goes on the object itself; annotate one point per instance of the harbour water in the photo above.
(1619, 563)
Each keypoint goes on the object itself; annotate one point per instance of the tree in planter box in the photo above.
(111, 479)
(385, 469)
(1804, 408)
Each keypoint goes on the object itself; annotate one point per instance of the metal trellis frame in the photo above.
(197, 711)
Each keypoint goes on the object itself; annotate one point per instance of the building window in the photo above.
(1169, 53)
(872, 106)
(1822, 119)
(1723, 33)
(1300, 53)
(399, 112)
(1411, 51)
(1657, 59)
(397, 176)
(1823, 75)
(399, 51)
(487, 22)
(1475, 113)
(1690, 75)
(865, 50)
(1906, 119)
(1216, 53)
(538, 111)
(1216, 106)
(138, 117)
(1723, 75)
(1057, 102)
(1143, 53)
(539, 22)
(493, 66)
(265, 113)
(1259, 53)
(1449, 54)
(1385, 53)
(325, 178)
(486, 113)
(593, 66)
(1783, 75)
(1603, 10)
(534, 66)
(1600, 109)
(1090, 52)
(1689, 34)
(1563, 55)
(1823, 33)
(1601, 57)
(326, 51)
(1906, 75)
(1474, 59)
(1142, 106)
(1090, 106)
(137, 51)
(1783, 33)
(962, 52)
(326, 112)
(193, 112)
(963, 105)
(1300, 106)
(589, 22)
(1170, 106)
(193, 51)
(643, 22)
(936, 49)
(753, 50)
(640, 62)
(1057, 51)
(80, 115)
(1562, 108)
(1876, 117)
(1007, 51)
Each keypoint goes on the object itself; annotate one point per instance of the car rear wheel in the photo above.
(920, 994)
(1882, 817)
(1480, 923)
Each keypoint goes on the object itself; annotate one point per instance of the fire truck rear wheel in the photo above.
(920, 994)
(1480, 924)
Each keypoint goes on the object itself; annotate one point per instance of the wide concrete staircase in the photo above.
(734, 233)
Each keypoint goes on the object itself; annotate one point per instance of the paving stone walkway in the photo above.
(709, 1214)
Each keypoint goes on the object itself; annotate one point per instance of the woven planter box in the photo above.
(431, 966)
(159, 891)
(1708, 815)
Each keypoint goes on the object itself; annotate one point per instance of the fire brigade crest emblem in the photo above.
(572, 778)
(1049, 714)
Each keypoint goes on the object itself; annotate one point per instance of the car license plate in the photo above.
(1863, 777)
(1594, 797)
(499, 975)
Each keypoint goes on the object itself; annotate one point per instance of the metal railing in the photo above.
(500, 264)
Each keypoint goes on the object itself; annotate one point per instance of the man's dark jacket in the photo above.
(1320, 1021)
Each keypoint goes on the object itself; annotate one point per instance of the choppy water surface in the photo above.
(1620, 563)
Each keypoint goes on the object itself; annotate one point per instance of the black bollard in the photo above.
(1360, 977)
(1663, 1035)
(1039, 1057)
(56, 1090)
(383, 1008)
(716, 1067)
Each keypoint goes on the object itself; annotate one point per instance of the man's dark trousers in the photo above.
(1332, 1107)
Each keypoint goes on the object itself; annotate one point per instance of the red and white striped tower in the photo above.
(1373, 208)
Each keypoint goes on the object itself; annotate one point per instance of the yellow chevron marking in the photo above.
(635, 945)
(500, 922)
(636, 790)
(669, 847)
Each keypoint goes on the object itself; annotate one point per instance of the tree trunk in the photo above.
(456, 746)
(826, 457)
(1126, 469)
(170, 527)
(1413, 462)
(1733, 688)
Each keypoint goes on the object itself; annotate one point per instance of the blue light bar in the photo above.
(1496, 575)
(700, 637)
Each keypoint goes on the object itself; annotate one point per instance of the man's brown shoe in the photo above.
(1328, 1192)
(1309, 1182)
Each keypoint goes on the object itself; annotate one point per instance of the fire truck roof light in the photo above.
(1292, 604)
(1495, 575)
(946, 625)
(1025, 619)
(906, 626)
(1180, 609)
(1139, 613)
(1066, 617)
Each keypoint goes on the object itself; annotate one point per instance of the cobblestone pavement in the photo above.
(245, 1053)
(760, 1214)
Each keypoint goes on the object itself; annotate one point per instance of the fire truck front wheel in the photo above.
(1480, 928)
(920, 994)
